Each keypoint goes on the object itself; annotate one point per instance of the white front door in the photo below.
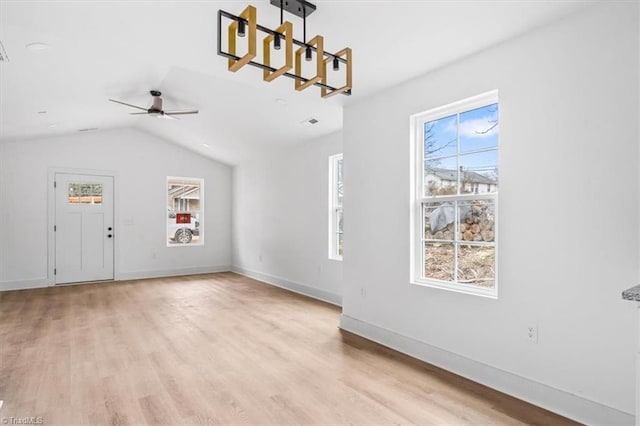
(84, 230)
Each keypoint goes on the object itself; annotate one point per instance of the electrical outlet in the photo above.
(532, 333)
(363, 292)
(260, 258)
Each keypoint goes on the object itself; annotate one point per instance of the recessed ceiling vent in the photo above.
(3, 54)
(309, 121)
(89, 129)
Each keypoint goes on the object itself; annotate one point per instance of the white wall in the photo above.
(568, 113)
(142, 164)
(280, 219)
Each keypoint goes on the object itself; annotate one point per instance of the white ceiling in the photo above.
(122, 49)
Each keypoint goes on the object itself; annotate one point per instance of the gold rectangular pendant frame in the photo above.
(286, 30)
(250, 15)
(346, 54)
(318, 42)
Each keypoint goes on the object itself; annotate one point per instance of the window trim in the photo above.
(201, 211)
(334, 208)
(417, 122)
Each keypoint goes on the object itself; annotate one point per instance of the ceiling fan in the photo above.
(156, 110)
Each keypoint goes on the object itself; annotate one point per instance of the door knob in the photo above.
(109, 235)
(109, 228)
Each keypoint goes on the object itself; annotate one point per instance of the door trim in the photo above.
(51, 214)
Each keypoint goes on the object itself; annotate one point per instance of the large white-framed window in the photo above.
(336, 218)
(455, 196)
(185, 211)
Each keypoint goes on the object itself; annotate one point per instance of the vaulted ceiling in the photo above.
(122, 49)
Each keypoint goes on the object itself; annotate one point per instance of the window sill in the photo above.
(490, 293)
(186, 245)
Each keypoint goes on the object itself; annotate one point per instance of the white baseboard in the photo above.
(325, 296)
(552, 399)
(138, 275)
(133, 275)
(24, 284)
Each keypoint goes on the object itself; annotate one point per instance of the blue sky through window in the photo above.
(477, 130)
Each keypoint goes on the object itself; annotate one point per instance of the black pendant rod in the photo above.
(304, 25)
(264, 30)
(288, 74)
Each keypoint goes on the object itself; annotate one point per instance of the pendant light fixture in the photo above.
(246, 22)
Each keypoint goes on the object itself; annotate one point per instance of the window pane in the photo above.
(339, 231)
(85, 193)
(476, 265)
(440, 176)
(339, 185)
(438, 261)
(440, 138)
(479, 172)
(438, 221)
(336, 197)
(479, 128)
(476, 220)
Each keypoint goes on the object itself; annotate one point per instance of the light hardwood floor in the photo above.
(218, 349)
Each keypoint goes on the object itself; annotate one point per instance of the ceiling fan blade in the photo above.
(193, 111)
(167, 116)
(124, 103)
(138, 113)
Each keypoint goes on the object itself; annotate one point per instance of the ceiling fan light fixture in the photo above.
(156, 109)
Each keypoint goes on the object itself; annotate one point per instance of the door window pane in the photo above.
(85, 193)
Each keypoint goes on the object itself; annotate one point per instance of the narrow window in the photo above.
(335, 207)
(454, 223)
(185, 204)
